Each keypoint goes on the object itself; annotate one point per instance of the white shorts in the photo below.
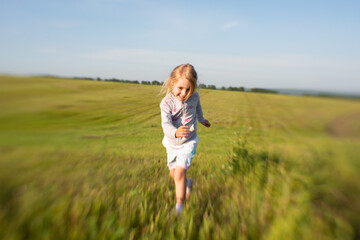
(181, 155)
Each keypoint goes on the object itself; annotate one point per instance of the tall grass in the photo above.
(84, 160)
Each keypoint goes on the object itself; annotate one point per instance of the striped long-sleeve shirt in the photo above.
(175, 113)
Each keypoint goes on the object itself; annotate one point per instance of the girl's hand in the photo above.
(206, 123)
(182, 131)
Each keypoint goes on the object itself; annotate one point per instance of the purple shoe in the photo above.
(189, 186)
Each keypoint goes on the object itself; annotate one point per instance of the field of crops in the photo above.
(83, 160)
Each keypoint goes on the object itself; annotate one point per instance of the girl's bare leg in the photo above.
(172, 173)
(180, 184)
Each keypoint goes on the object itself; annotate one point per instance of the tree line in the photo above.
(201, 86)
(213, 87)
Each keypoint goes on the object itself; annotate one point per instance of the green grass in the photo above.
(83, 160)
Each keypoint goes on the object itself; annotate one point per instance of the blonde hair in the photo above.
(186, 71)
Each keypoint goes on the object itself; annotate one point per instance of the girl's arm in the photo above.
(166, 121)
(199, 115)
(199, 112)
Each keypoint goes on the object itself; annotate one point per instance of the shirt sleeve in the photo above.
(199, 112)
(166, 120)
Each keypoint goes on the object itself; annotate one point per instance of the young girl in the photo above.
(180, 111)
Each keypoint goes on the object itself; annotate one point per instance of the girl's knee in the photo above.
(172, 172)
(179, 173)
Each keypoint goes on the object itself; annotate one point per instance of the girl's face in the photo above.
(181, 88)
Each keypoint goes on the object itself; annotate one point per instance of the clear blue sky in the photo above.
(270, 44)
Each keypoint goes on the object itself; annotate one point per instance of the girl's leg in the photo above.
(188, 184)
(172, 173)
(180, 184)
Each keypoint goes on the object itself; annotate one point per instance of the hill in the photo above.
(84, 160)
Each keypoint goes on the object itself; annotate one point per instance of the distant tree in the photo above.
(211, 87)
(155, 82)
(262, 90)
(78, 78)
(113, 80)
(223, 88)
(240, 89)
(202, 86)
(131, 81)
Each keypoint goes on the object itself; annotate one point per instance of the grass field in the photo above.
(83, 160)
